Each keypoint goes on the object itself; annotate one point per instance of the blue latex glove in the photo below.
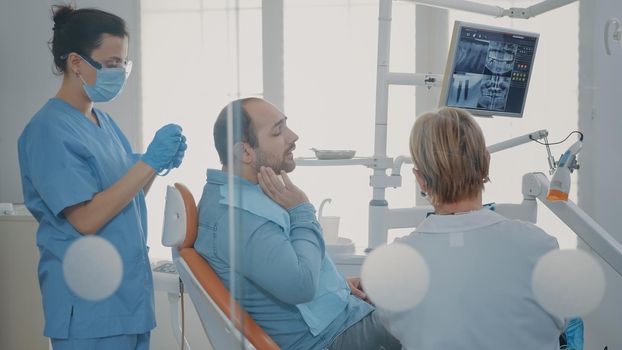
(181, 151)
(163, 148)
(574, 334)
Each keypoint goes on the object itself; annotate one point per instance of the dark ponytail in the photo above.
(61, 15)
(80, 31)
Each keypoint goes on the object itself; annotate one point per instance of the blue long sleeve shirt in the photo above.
(276, 271)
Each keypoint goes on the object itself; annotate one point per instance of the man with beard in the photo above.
(284, 279)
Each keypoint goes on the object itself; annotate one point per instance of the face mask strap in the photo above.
(83, 81)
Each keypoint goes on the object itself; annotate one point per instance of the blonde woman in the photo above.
(480, 263)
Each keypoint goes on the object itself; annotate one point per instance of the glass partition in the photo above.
(198, 56)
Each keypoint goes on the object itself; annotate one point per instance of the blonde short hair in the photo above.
(449, 152)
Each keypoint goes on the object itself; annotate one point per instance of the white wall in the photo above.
(27, 82)
(600, 192)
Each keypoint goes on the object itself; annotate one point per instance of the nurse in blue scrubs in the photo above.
(80, 177)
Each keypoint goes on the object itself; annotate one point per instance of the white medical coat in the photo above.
(480, 294)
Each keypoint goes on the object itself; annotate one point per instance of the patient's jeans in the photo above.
(367, 334)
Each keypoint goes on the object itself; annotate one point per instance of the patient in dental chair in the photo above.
(286, 281)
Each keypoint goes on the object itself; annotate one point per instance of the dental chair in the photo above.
(210, 297)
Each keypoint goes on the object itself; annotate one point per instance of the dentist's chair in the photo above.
(209, 296)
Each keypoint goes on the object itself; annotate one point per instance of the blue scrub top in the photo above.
(65, 159)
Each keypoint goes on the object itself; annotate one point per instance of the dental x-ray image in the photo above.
(494, 92)
(500, 58)
(465, 90)
(488, 69)
(471, 56)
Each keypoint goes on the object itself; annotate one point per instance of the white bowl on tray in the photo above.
(328, 154)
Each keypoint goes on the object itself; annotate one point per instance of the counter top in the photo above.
(14, 212)
(15, 217)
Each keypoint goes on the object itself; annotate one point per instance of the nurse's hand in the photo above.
(285, 193)
(181, 151)
(162, 150)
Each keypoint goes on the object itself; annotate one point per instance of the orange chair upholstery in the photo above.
(201, 271)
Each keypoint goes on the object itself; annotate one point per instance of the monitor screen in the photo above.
(488, 70)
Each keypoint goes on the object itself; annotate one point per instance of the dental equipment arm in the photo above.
(594, 235)
(496, 11)
(560, 183)
(536, 135)
(516, 141)
(397, 164)
(465, 5)
(409, 79)
(537, 9)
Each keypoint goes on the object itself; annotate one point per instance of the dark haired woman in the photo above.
(80, 177)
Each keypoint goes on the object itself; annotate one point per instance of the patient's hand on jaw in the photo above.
(356, 288)
(285, 193)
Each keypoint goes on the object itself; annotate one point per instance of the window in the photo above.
(190, 71)
(190, 50)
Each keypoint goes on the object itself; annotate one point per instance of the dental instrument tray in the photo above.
(333, 154)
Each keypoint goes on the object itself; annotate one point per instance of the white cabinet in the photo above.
(21, 312)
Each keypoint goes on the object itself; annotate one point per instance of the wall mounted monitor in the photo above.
(488, 70)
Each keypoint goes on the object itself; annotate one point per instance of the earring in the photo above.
(423, 194)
